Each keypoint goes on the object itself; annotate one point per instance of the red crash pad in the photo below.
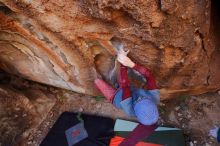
(117, 140)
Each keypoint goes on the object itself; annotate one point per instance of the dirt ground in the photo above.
(194, 114)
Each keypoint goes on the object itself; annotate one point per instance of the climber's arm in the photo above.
(151, 84)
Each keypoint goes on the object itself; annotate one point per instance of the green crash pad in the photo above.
(166, 136)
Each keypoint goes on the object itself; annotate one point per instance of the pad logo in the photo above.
(76, 134)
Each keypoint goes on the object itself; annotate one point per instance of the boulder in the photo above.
(69, 43)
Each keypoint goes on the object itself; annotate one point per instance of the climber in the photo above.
(135, 102)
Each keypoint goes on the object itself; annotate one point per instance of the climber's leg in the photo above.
(107, 90)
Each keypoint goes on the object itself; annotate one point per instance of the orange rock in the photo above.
(69, 44)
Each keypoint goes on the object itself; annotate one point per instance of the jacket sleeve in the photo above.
(138, 134)
(151, 84)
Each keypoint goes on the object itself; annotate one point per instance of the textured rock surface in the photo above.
(21, 114)
(68, 43)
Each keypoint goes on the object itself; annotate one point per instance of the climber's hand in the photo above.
(124, 60)
(121, 50)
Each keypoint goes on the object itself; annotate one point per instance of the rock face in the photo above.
(68, 44)
(21, 114)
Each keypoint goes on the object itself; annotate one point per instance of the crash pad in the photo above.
(99, 130)
(117, 140)
(123, 125)
(168, 136)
